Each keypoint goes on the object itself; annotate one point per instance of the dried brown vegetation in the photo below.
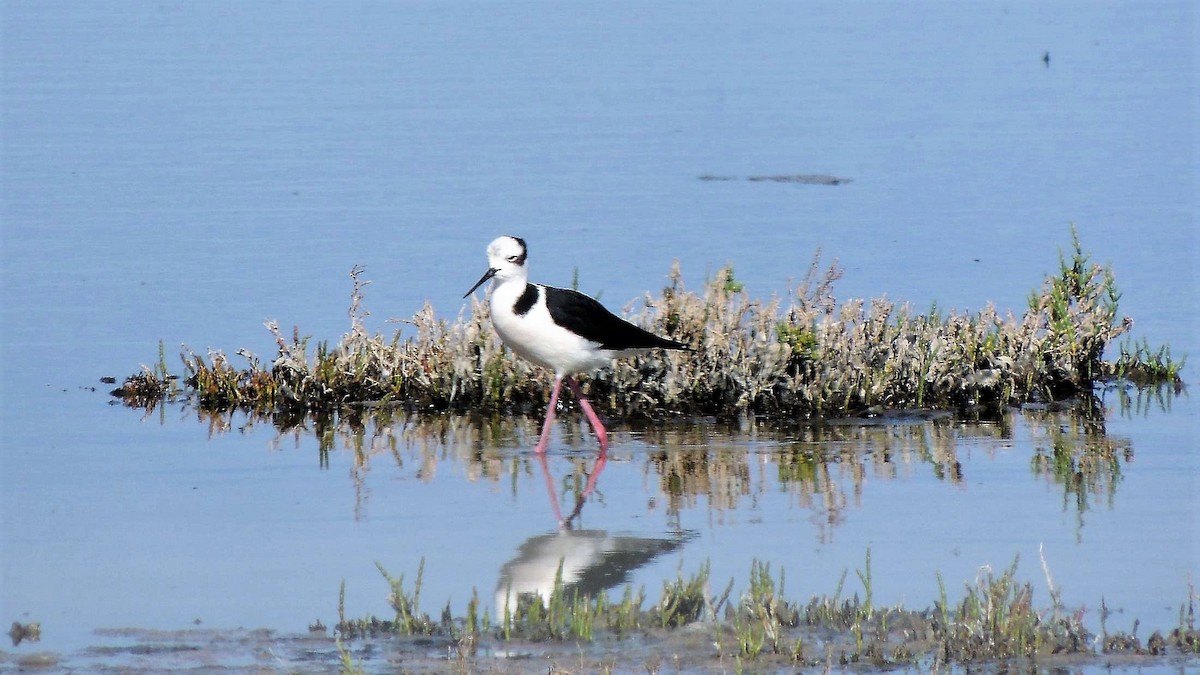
(804, 357)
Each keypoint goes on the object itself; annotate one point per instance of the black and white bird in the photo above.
(558, 328)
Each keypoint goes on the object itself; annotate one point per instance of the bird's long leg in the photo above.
(593, 418)
(541, 445)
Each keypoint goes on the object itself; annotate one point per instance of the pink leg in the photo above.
(541, 445)
(597, 425)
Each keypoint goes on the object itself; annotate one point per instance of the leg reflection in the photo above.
(588, 488)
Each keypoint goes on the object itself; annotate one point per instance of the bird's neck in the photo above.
(506, 291)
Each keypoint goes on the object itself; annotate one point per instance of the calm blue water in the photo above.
(183, 172)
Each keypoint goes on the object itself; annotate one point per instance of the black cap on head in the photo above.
(524, 250)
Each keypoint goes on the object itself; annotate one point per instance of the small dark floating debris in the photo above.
(801, 179)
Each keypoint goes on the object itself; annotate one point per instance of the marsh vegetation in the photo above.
(804, 356)
(914, 384)
(705, 627)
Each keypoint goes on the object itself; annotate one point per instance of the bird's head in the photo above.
(506, 260)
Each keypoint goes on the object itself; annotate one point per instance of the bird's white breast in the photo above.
(535, 337)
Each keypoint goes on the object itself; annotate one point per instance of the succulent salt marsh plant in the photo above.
(996, 620)
(798, 357)
(683, 600)
(993, 622)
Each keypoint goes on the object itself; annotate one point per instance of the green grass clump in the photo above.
(762, 615)
(996, 620)
(1142, 365)
(801, 357)
(408, 620)
(683, 600)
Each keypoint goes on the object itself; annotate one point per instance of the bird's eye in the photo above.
(514, 258)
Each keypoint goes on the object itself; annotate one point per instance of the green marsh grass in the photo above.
(994, 621)
(800, 357)
(683, 600)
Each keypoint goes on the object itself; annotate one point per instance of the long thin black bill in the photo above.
(486, 275)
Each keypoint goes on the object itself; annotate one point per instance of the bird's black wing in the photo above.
(585, 316)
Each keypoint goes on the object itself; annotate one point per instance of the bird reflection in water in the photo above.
(592, 561)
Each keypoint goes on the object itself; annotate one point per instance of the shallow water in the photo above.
(182, 173)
